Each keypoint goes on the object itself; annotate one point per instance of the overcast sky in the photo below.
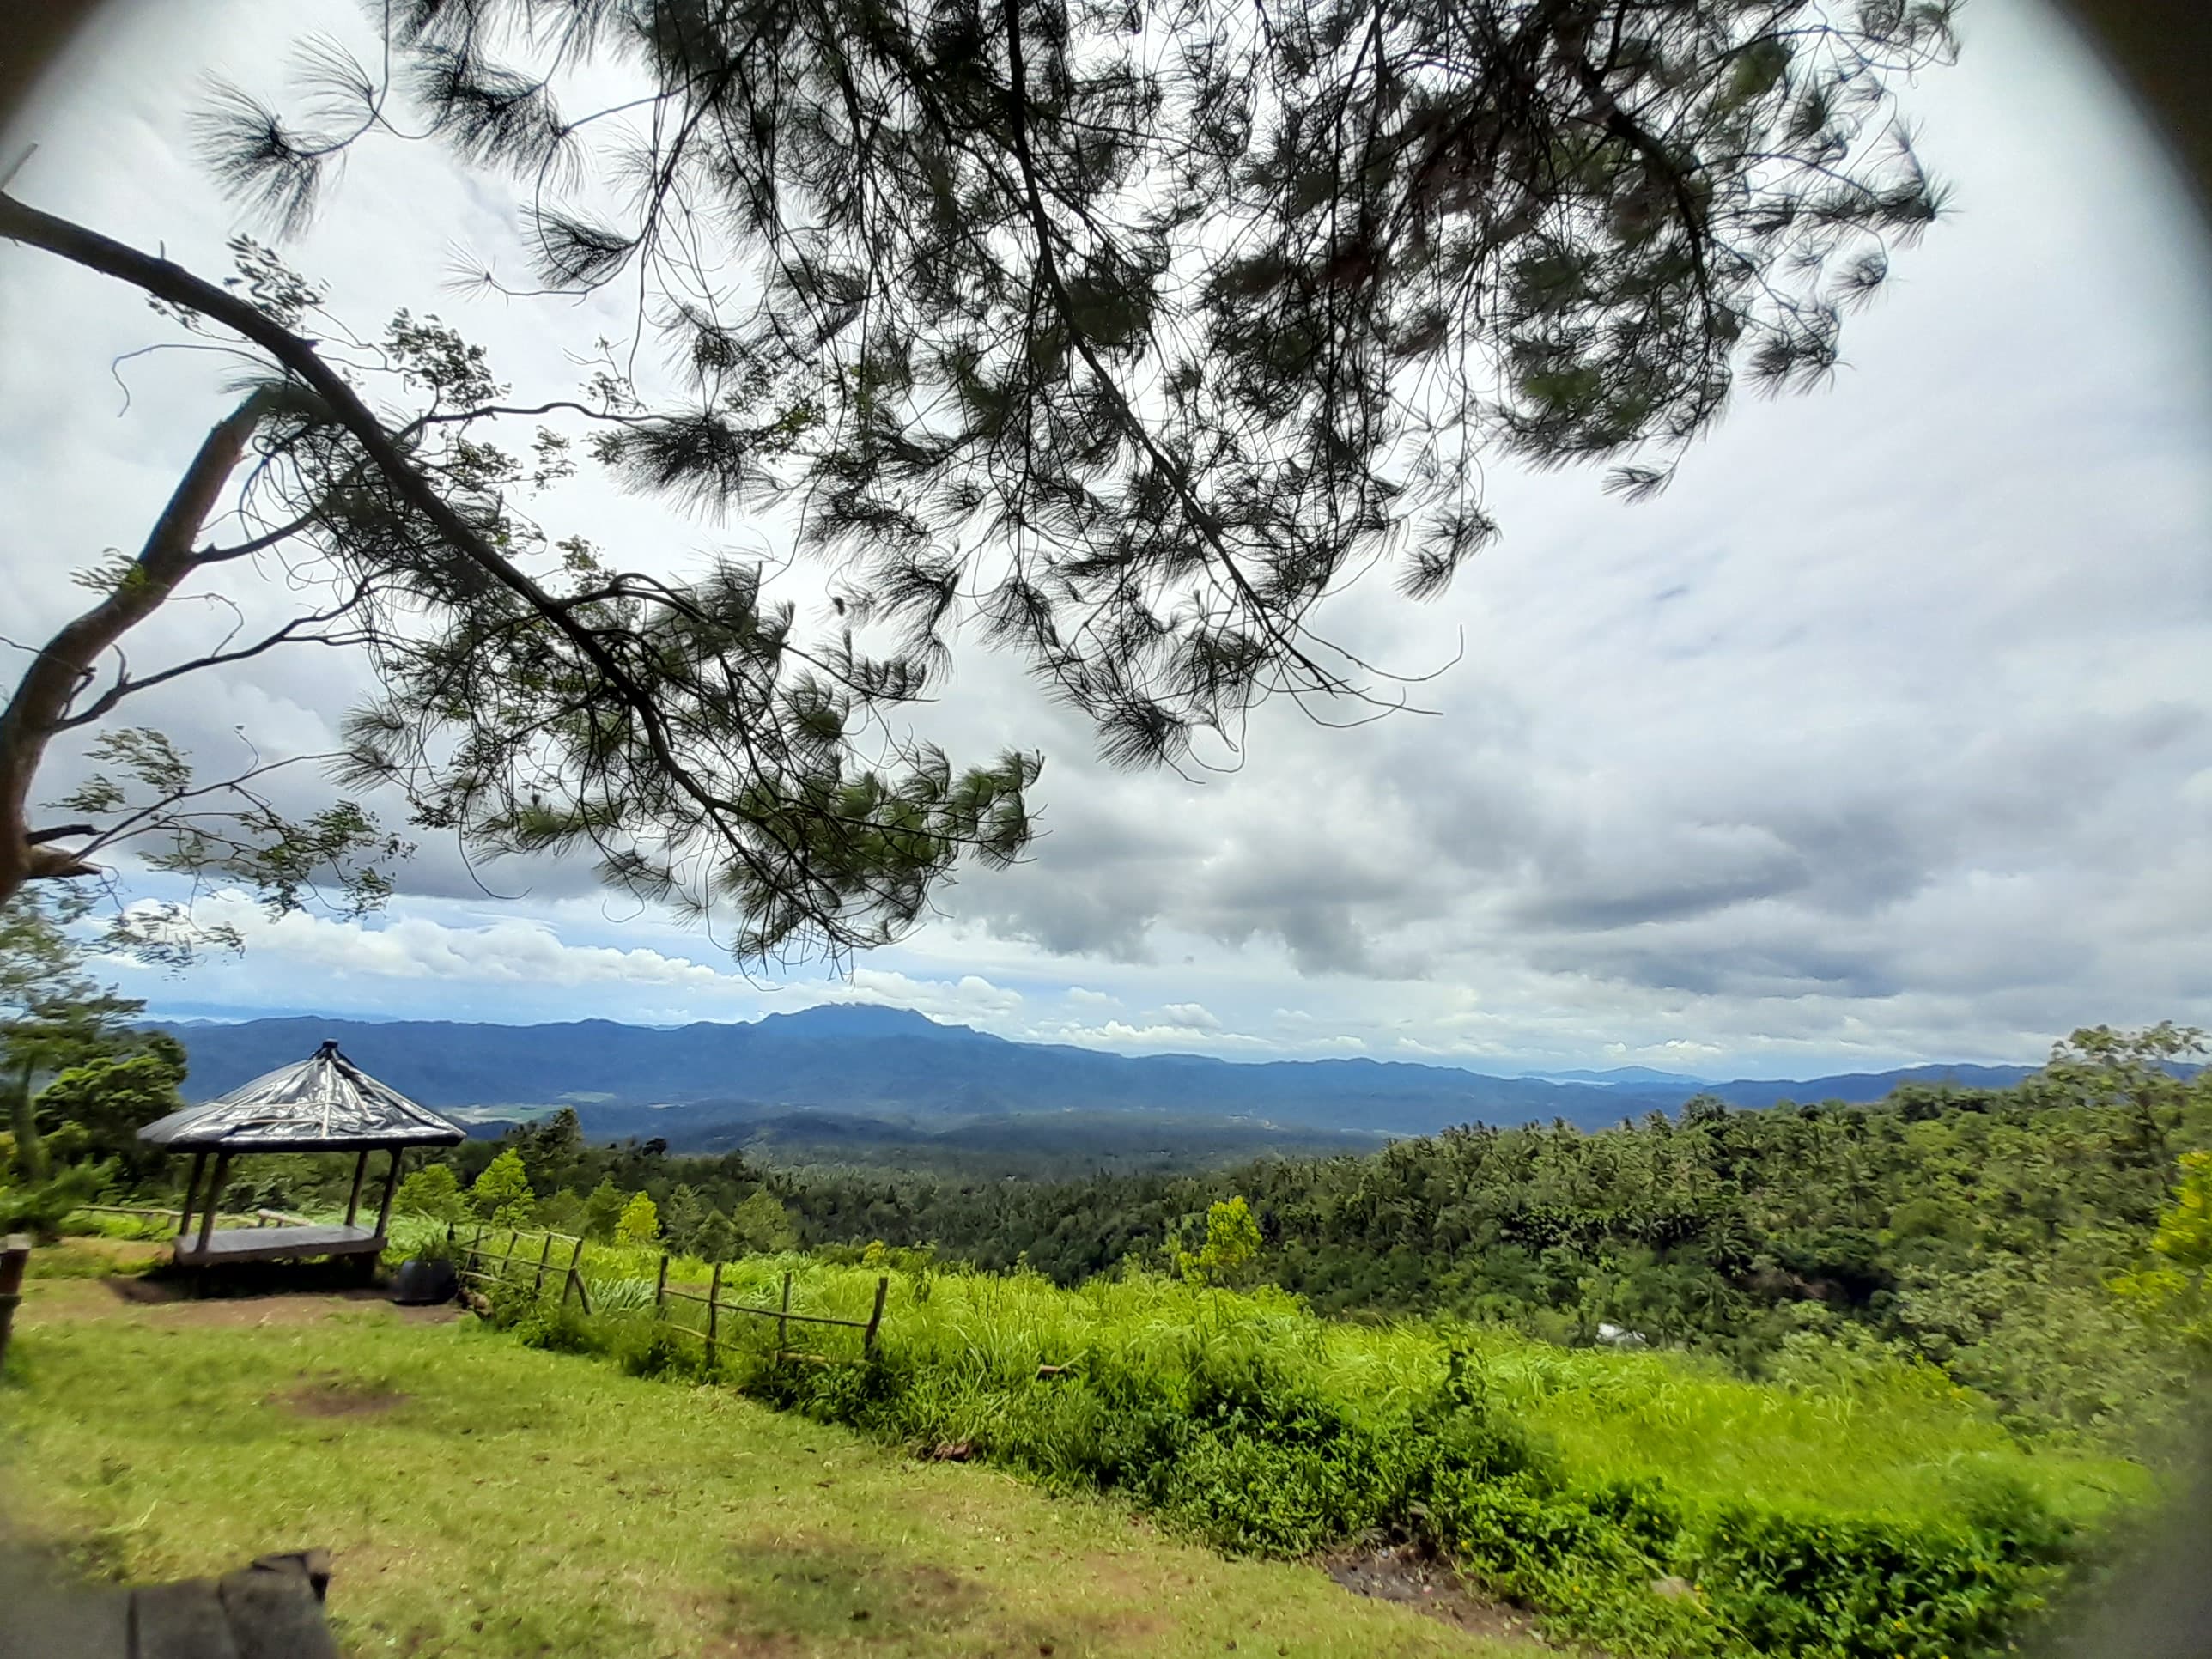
(1885, 735)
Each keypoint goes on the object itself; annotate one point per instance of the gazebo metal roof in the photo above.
(325, 1104)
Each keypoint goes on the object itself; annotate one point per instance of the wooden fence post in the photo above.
(575, 1280)
(660, 1290)
(782, 1325)
(14, 1255)
(713, 1312)
(875, 1319)
(545, 1257)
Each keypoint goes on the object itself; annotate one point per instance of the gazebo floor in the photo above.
(274, 1244)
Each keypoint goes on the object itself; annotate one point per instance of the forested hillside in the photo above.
(1980, 1229)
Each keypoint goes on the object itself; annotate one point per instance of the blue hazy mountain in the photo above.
(894, 1065)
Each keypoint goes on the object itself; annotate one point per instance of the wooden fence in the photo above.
(482, 1264)
(476, 1265)
(712, 1300)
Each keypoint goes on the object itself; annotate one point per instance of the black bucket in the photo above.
(420, 1283)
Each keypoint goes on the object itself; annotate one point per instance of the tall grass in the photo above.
(1641, 1499)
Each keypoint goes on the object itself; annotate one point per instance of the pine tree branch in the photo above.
(166, 280)
(1138, 430)
(292, 633)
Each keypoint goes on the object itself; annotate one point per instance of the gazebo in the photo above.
(326, 1103)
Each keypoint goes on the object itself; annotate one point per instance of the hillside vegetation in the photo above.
(1651, 1502)
(1980, 1231)
(1829, 1380)
(482, 1498)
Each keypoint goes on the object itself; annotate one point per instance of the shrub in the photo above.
(561, 1212)
(501, 1194)
(40, 1208)
(639, 1223)
(431, 1191)
(613, 1296)
(646, 1347)
(2175, 1292)
(761, 1225)
(1231, 1246)
(603, 1208)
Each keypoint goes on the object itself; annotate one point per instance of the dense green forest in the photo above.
(1983, 1230)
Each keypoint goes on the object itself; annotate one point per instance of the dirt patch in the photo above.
(54, 1299)
(149, 1290)
(794, 1593)
(1120, 1576)
(180, 1304)
(937, 1590)
(185, 1302)
(1413, 1578)
(340, 1397)
(166, 1304)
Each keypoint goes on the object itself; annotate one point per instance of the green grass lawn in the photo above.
(482, 1498)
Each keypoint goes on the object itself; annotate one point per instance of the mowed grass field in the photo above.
(480, 1497)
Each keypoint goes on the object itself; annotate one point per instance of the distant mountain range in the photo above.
(811, 1075)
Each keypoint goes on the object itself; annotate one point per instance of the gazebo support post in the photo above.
(213, 1200)
(390, 1186)
(353, 1198)
(191, 1196)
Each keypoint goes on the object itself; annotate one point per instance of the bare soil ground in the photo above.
(339, 1396)
(1414, 1578)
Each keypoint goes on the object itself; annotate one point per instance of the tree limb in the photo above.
(167, 281)
(40, 704)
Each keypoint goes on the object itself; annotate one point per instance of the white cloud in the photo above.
(1190, 1016)
(413, 963)
(968, 999)
(1155, 1039)
(517, 951)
